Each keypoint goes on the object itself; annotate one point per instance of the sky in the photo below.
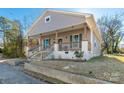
(33, 13)
(19, 13)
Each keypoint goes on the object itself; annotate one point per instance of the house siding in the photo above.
(96, 46)
(58, 21)
(62, 26)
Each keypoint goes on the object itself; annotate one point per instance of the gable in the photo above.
(92, 24)
(56, 21)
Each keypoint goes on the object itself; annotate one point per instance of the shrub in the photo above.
(78, 54)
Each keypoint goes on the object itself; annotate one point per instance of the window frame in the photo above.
(73, 38)
(46, 19)
(45, 43)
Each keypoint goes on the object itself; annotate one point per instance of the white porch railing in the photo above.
(70, 46)
(43, 52)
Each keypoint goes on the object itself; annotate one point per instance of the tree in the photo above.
(13, 38)
(112, 31)
(20, 38)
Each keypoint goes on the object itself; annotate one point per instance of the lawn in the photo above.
(120, 58)
(109, 67)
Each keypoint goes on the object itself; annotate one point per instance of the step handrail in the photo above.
(49, 50)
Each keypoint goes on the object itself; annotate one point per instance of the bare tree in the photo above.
(112, 31)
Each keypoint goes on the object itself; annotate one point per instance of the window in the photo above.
(46, 43)
(75, 38)
(47, 19)
(95, 44)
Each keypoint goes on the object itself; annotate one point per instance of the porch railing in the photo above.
(44, 52)
(70, 46)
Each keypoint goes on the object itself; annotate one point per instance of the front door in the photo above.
(60, 44)
(46, 43)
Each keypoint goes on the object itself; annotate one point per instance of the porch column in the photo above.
(85, 49)
(85, 43)
(91, 41)
(56, 37)
(85, 32)
(39, 41)
(56, 42)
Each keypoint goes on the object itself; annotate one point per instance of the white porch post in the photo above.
(85, 49)
(39, 44)
(85, 44)
(56, 43)
(56, 47)
(91, 42)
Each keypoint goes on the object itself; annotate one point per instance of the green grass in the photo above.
(97, 59)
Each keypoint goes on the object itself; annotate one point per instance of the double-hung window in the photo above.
(75, 38)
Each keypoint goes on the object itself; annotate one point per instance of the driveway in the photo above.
(14, 75)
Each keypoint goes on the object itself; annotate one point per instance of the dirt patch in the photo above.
(104, 68)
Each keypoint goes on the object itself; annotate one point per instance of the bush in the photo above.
(78, 54)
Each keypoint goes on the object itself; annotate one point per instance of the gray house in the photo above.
(58, 34)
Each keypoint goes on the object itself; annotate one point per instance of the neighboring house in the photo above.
(58, 34)
(121, 46)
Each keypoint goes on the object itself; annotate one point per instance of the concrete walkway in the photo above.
(13, 75)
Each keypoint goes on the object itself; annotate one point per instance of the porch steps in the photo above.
(58, 76)
(40, 55)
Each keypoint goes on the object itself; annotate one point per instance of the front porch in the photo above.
(61, 44)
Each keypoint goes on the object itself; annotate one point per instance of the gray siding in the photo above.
(58, 21)
(96, 46)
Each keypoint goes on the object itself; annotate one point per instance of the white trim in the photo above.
(91, 41)
(39, 43)
(36, 21)
(56, 47)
